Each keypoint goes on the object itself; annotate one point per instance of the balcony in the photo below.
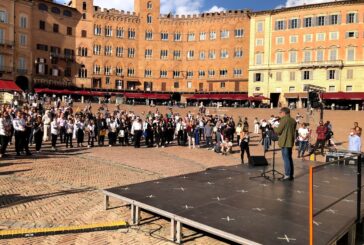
(21, 71)
(6, 69)
(6, 43)
(322, 64)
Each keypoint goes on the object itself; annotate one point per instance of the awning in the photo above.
(7, 85)
(343, 96)
(219, 97)
(151, 96)
(258, 98)
(69, 92)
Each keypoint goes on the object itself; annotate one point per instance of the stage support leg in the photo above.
(106, 202)
(137, 215)
(173, 230)
(179, 233)
(352, 235)
(132, 214)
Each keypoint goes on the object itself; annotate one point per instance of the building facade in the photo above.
(147, 51)
(44, 44)
(37, 43)
(319, 44)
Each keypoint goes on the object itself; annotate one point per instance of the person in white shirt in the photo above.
(47, 125)
(79, 129)
(5, 131)
(256, 126)
(91, 134)
(20, 134)
(54, 132)
(62, 128)
(303, 139)
(70, 126)
(137, 131)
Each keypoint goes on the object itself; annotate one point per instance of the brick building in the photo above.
(320, 44)
(44, 44)
(147, 51)
(37, 43)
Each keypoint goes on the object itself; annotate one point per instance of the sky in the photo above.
(198, 6)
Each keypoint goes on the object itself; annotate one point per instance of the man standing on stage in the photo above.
(286, 132)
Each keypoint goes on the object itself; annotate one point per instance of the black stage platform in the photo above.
(224, 201)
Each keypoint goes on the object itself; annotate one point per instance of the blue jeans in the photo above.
(302, 148)
(288, 162)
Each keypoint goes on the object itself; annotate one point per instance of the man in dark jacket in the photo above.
(321, 132)
(286, 132)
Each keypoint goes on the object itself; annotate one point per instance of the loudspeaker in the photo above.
(256, 161)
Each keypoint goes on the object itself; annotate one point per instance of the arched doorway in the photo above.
(22, 82)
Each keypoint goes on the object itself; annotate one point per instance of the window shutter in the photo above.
(311, 75)
(37, 69)
(262, 77)
(339, 19)
(346, 34)
(46, 69)
(347, 18)
(327, 74)
(313, 21)
(327, 20)
(289, 24)
(356, 34)
(284, 25)
(337, 74)
(276, 25)
(299, 23)
(356, 18)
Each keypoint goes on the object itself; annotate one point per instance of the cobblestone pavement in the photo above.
(63, 188)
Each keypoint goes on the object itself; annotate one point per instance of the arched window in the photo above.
(84, 6)
(149, 19)
(149, 5)
(42, 7)
(67, 13)
(56, 10)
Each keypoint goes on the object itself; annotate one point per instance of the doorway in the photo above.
(274, 98)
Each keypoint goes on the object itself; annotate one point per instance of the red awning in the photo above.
(7, 85)
(151, 96)
(219, 97)
(258, 98)
(68, 92)
(343, 96)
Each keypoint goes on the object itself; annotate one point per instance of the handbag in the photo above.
(103, 132)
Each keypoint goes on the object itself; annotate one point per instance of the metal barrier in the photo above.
(355, 156)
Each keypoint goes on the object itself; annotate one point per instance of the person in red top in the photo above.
(321, 132)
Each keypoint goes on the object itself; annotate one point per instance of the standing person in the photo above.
(238, 132)
(19, 125)
(47, 119)
(79, 128)
(62, 128)
(54, 132)
(191, 141)
(303, 139)
(354, 141)
(137, 130)
(70, 127)
(208, 135)
(244, 144)
(286, 132)
(5, 128)
(256, 126)
(113, 126)
(196, 135)
(38, 133)
(91, 133)
(321, 132)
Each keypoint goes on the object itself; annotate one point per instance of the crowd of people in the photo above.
(41, 119)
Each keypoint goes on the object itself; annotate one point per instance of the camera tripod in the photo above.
(272, 174)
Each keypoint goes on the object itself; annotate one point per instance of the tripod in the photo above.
(273, 173)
